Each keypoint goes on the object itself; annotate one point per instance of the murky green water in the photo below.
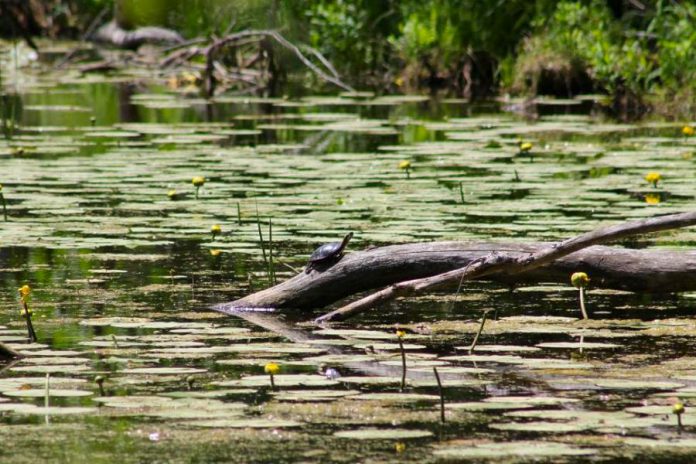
(123, 276)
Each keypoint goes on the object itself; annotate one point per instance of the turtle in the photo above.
(328, 252)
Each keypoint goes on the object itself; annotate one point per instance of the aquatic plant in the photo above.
(406, 166)
(173, 195)
(653, 178)
(399, 447)
(198, 182)
(272, 369)
(24, 292)
(580, 280)
(688, 131)
(99, 380)
(678, 409)
(472, 347)
(215, 230)
(400, 334)
(4, 206)
(441, 392)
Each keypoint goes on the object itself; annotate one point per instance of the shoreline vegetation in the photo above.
(637, 53)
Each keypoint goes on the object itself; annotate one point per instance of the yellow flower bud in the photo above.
(216, 229)
(172, 194)
(198, 181)
(688, 131)
(405, 165)
(24, 291)
(579, 280)
(525, 147)
(400, 447)
(215, 252)
(271, 368)
(678, 408)
(653, 178)
(400, 333)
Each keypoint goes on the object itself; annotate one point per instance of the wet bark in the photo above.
(7, 353)
(649, 271)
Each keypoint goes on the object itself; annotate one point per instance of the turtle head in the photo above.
(347, 238)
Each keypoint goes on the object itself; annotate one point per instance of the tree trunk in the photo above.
(650, 271)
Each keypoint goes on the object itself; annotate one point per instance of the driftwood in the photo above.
(656, 271)
(113, 34)
(7, 353)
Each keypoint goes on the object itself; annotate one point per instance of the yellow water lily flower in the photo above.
(400, 333)
(525, 147)
(688, 131)
(579, 280)
(678, 408)
(405, 165)
(215, 252)
(172, 194)
(271, 368)
(400, 447)
(24, 291)
(653, 178)
(198, 181)
(215, 229)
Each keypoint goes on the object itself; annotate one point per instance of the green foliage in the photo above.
(621, 54)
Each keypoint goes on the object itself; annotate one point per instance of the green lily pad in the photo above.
(513, 449)
(247, 423)
(383, 434)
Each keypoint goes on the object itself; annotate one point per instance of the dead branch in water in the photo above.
(511, 265)
(650, 271)
(244, 58)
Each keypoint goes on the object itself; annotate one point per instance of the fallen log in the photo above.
(7, 353)
(650, 271)
(505, 263)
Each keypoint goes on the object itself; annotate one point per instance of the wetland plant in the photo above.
(653, 178)
(441, 392)
(405, 165)
(400, 334)
(525, 148)
(472, 347)
(272, 369)
(24, 292)
(687, 131)
(198, 182)
(678, 409)
(580, 280)
(215, 230)
(99, 380)
(4, 205)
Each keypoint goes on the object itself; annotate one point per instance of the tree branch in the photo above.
(508, 264)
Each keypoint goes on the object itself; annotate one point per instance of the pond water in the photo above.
(104, 224)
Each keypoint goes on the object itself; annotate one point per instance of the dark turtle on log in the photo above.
(328, 252)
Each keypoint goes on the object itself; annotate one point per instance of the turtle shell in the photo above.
(326, 251)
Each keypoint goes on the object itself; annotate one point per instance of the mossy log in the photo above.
(649, 271)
